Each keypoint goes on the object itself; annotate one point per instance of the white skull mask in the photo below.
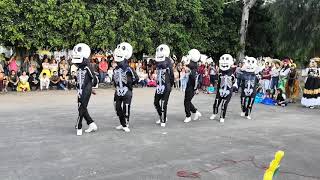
(250, 64)
(193, 55)
(225, 62)
(162, 52)
(122, 52)
(79, 52)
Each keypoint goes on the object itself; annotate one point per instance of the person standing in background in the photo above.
(12, 64)
(266, 77)
(275, 72)
(213, 73)
(103, 70)
(26, 64)
(283, 75)
(34, 66)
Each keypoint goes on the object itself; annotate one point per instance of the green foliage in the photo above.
(207, 25)
(297, 28)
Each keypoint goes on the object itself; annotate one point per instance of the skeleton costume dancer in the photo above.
(193, 77)
(165, 80)
(86, 79)
(124, 78)
(226, 81)
(248, 83)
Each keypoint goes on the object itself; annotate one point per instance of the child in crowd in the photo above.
(44, 81)
(281, 98)
(23, 85)
(205, 80)
(183, 79)
(210, 89)
(34, 81)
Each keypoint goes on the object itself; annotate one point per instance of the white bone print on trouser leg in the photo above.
(161, 103)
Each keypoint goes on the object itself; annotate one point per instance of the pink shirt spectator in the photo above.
(103, 66)
(13, 66)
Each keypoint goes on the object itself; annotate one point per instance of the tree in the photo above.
(247, 5)
(297, 28)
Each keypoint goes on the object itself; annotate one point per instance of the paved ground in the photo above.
(38, 141)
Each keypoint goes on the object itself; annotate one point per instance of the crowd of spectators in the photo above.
(34, 73)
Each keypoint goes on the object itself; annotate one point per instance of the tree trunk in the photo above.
(244, 27)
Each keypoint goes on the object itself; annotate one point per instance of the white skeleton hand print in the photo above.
(249, 85)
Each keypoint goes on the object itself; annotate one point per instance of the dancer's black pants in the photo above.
(83, 110)
(122, 106)
(247, 104)
(188, 106)
(224, 101)
(161, 103)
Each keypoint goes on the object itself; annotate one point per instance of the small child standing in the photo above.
(281, 98)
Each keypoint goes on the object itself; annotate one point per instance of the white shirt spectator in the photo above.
(275, 72)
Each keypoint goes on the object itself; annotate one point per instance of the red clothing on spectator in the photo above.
(206, 80)
(266, 73)
(103, 66)
(201, 69)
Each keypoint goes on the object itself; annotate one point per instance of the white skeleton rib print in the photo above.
(161, 76)
(81, 74)
(120, 78)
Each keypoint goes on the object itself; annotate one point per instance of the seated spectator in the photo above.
(34, 81)
(13, 81)
(142, 78)
(53, 66)
(64, 78)
(210, 89)
(44, 81)
(151, 79)
(55, 80)
(281, 98)
(63, 66)
(23, 85)
(3, 82)
(73, 68)
(72, 80)
(34, 66)
(45, 68)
